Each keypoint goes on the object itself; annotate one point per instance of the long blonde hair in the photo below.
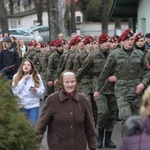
(145, 100)
(20, 74)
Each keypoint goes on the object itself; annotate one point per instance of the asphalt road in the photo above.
(116, 138)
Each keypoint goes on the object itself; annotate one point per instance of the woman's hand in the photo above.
(26, 77)
(33, 89)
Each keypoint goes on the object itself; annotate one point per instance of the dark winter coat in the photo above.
(9, 58)
(69, 120)
(138, 138)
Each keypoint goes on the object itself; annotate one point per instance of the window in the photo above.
(78, 19)
(13, 24)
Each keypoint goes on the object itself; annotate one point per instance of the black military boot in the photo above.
(108, 142)
(100, 138)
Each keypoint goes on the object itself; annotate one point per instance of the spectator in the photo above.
(13, 39)
(137, 135)
(60, 36)
(9, 60)
(147, 43)
(6, 35)
(68, 115)
(22, 48)
(2, 45)
(28, 86)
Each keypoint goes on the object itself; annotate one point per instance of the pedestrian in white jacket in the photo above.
(28, 86)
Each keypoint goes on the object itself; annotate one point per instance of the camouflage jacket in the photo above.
(129, 71)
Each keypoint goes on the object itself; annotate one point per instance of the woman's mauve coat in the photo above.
(69, 120)
(138, 141)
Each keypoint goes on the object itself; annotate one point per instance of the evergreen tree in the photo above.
(16, 133)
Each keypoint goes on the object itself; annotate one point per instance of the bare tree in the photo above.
(39, 9)
(3, 18)
(105, 17)
(11, 6)
(72, 10)
(53, 17)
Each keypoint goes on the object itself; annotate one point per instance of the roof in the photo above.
(124, 8)
(23, 14)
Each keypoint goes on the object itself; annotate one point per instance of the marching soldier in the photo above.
(126, 63)
(53, 63)
(93, 66)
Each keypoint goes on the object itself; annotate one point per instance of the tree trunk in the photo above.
(105, 15)
(39, 11)
(73, 24)
(11, 6)
(3, 18)
(54, 18)
(49, 18)
(117, 26)
(130, 23)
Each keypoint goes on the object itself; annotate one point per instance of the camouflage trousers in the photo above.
(107, 109)
(128, 106)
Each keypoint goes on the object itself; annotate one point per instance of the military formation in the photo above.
(112, 71)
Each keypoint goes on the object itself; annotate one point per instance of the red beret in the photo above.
(88, 39)
(43, 44)
(103, 38)
(59, 43)
(31, 44)
(52, 43)
(78, 38)
(138, 36)
(113, 39)
(126, 34)
(35, 44)
(72, 42)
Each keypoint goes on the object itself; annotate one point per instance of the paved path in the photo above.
(116, 138)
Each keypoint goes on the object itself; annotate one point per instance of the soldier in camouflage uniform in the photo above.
(45, 60)
(81, 54)
(113, 42)
(31, 46)
(54, 62)
(68, 50)
(71, 58)
(36, 56)
(31, 54)
(126, 63)
(93, 66)
(42, 68)
(85, 81)
(49, 51)
(63, 59)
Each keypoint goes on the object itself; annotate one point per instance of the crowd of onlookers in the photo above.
(112, 71)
